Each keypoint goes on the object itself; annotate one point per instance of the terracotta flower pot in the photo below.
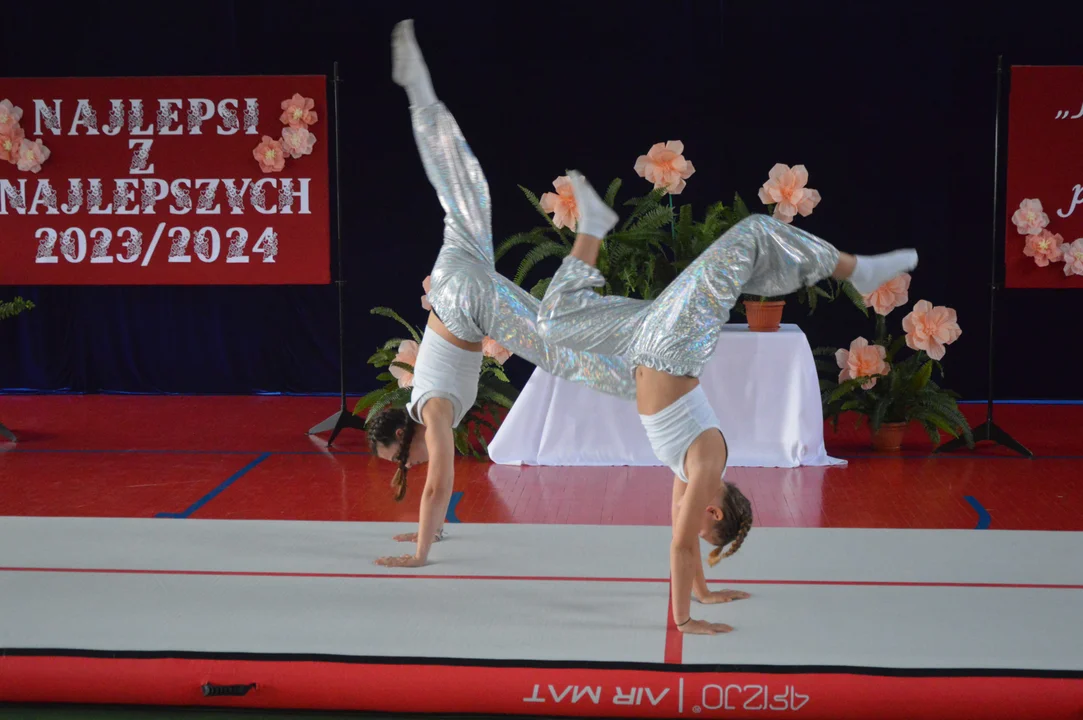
(764, 316)
(889, 437)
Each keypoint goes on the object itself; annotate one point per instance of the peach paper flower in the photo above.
(297, 142)
(491, 348)
(31, 155)
(297, 112)
(1029, 218)
(10, 115)
(930, 328)
(561, 203)
(665, 166)
(407, 354)
(10, 140)
(1044, 248)
(1073, 257)
(427, 285)
(862, 360)
(785, 189)
(892, 294)
(270, 155)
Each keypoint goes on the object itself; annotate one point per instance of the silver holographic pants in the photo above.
(677, 332)
(469, 296)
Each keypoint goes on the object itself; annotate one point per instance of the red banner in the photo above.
(1044, 231)
(156, 181)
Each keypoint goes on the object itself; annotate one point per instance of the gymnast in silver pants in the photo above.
(470, 301)
(670, 339)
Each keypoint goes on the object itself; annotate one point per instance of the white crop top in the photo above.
(447, 371)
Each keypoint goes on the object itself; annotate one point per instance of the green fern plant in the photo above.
(10, 309)
(495, 391)
(907, 393)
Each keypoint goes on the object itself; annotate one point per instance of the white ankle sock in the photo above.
(872, 271)
(408, 67)
(595, 217)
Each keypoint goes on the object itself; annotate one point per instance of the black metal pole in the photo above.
(993, 241)
(341, 282)
(343, 418)
(988, 430)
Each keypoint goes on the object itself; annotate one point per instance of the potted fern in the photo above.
(871, 380)
(395, 359)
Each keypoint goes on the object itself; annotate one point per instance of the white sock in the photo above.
(408, 67)
(872, 271)
(595, 217)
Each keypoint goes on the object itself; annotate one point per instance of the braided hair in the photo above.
(735, 523)
(382, 429)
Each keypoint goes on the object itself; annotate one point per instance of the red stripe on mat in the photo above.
(532, 578)
(580, 692)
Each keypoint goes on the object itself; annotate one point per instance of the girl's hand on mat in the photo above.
(702, 627)
(400, 561)
(723, 596)
(412, 537)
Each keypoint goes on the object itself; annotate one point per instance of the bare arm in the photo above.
(699, 582)
(440, 478)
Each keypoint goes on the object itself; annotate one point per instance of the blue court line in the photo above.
(217, 491)
(1022, 402)
(451, 517)
(984, 518)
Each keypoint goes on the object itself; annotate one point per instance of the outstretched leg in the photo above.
(449, 163)
(573, 314)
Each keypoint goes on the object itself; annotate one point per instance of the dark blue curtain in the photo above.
(889, 105)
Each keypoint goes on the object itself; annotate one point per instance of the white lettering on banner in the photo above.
(86, 117)
(206, 245)
(289, 192)
(713, 698)
(1077, 199)
(168, 115)
(140, 156)
(51, 116)
(47, 116)
(577, 694)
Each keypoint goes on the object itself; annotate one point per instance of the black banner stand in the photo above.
(343, 418)
(989, 431)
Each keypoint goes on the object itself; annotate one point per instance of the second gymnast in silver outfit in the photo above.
(470, 300)
(670, 339)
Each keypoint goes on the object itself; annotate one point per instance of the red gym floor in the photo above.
(249, 458)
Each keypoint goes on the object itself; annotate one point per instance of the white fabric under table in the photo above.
(762, 386)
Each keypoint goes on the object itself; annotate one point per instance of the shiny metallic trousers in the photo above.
(677, 332)
(469, 296)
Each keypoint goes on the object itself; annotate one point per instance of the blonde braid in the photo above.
(717, 555)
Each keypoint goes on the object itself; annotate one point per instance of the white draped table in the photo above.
(762, 386)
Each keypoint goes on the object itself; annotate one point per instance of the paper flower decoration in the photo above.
(14, 147)
(665, 166)
(785, 189)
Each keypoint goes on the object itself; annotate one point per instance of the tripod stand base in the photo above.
(7, 434)
(336, 423)
(988, 431)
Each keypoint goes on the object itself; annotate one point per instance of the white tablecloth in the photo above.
(762, 386)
